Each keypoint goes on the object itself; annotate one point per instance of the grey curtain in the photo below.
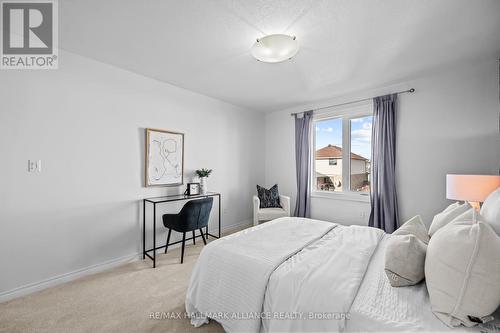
(384, 202)
(303, 163)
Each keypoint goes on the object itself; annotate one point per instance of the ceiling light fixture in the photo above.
(275, 48)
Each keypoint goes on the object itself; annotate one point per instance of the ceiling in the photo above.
(346, 45)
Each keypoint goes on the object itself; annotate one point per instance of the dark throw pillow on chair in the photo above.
(269, 198)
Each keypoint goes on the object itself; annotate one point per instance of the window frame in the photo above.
(346, 113)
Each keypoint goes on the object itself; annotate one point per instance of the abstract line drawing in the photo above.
(164, 158)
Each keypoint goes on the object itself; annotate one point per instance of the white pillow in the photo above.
(452, 206)
(491, 210)
(447, 215)
(462, 271)
(404, 260)
(414, 226)
(405, 253)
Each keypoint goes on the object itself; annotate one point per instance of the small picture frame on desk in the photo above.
(193, 189)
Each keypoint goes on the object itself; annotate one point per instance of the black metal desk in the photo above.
(170, 198)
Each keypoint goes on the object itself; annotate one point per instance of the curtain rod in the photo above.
(412, 90)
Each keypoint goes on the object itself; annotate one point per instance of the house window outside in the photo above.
(339, 137)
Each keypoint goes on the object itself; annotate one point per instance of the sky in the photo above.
(330, 132)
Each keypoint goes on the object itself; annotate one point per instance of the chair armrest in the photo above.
(171, 221)
(256, 203)
(256, 207)
(285, 203)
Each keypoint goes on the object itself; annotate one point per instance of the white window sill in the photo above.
(349, 196)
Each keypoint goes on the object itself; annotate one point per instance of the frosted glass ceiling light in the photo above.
(275, 48)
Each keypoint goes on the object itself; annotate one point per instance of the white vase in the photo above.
(203, 185)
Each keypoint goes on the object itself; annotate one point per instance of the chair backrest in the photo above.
(195, 213)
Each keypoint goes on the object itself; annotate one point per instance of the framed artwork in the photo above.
(164, 158)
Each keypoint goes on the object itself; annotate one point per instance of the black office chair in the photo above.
(193, 216)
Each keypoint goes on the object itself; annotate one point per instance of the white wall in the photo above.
(449, 125)
(86, 123)
(323, 166)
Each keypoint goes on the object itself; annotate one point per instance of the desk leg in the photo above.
(143, 229)
(206, 228)
(154, 235)
(219, 217)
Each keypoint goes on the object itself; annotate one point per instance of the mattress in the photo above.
(379, 307)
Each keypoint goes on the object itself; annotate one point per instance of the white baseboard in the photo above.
(66, 277)
(56, 280)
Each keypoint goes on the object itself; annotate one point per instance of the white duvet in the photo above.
(302, 275)
(321, 281)
(230, 278)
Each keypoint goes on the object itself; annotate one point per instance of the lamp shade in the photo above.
(473, 188)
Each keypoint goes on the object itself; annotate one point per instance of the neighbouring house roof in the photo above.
(332, 151)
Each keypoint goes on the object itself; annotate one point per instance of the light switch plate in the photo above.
(34, 166)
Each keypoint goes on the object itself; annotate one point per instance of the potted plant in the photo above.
(203, 174)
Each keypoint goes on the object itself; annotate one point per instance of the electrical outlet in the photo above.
(34, 166)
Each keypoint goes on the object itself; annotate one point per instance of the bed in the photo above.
(304, 275)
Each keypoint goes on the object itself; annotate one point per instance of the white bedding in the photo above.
(231, 275)
(379, 307)
(298, 267)
(334, 267)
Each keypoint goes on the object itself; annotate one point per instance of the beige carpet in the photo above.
(119, 300)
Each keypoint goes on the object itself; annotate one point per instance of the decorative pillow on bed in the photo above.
(269, 198)
(462, 271)
(414, 226)
(405, 253)
(447, 215)
(491, 210)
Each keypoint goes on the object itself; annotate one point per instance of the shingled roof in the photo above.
(332, 151)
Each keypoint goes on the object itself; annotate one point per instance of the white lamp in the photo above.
(471, 188)
(275, 48)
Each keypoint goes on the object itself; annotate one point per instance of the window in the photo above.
(328, 148)
(361, 145)
(340, 137)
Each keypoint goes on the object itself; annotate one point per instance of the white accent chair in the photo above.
(268, 214)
